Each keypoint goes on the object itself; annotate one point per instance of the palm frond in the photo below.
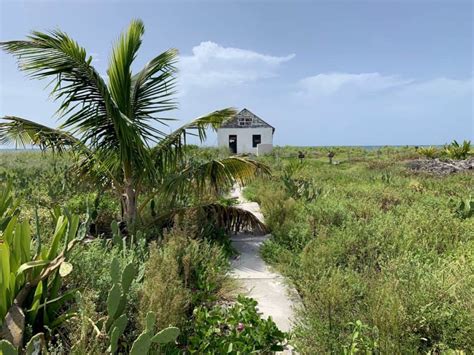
(208, 178)
(234, 219)
(25, 132)
(119, 71)
(170, 151)
(212, 177)
(90, 110)
(230, 218)
(82, 90)
(152, 91)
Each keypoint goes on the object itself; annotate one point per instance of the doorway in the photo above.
(233, 143)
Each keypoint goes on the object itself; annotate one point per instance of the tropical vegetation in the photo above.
(115, 237)
(382, 256)
(130, 224)
(114, 126)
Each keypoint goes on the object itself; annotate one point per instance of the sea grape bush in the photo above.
(236, 329)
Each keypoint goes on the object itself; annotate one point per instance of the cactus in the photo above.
(117, 320)
(36, 345)
(6, 348)
(116, 234)
(144, 341)
(117, 301)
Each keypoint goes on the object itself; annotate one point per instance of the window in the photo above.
(245, 121)
(256, 139)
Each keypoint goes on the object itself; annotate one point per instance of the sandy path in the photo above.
(274, 298)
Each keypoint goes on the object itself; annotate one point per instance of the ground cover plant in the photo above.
(381, 255)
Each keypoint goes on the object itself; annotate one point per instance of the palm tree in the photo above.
(113, 125)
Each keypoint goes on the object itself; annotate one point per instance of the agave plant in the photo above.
(30, 284)
(114, 125)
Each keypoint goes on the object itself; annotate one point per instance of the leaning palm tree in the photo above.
(112, 125)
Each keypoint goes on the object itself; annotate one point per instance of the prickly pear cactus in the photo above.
(117, 301)
(116, 235)
(144, 341)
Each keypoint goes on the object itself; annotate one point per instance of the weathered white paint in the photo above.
(244, 138)
(264, 148)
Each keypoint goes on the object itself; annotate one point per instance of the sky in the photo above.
(321, 72)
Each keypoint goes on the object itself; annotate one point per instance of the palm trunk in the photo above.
(129, 199)
(129, 205)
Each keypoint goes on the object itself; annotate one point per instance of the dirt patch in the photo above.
(441, 167)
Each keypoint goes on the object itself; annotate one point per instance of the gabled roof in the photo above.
(246, 114)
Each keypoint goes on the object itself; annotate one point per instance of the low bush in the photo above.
(236, 329)
(428, 152)
(163, 290)
(181, 272)
(455, 150)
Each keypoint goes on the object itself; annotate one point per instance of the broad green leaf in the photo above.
(6, 348)
(31, 265)
(113, 300)
(4, 280)
(118, 327)
(141, 345)
(25, 242)
(72, 229)
(58, 234)
(115, 271)
(166, 335)
(128, 275)
(33, 311)
(150, 321)
(8, 233)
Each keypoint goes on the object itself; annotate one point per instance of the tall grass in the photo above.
(378, 245)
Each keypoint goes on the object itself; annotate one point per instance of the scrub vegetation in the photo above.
(382, 257)
(115, 239)
(73, 282)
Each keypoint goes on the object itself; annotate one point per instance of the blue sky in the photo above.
(321, 72)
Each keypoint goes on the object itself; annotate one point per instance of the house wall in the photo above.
(263, 149)
(244, 138)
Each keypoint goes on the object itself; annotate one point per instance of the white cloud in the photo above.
(371, 108)
(334, 83)
(212, 65)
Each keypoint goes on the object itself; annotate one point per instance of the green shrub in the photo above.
(236, 329)
(110, 331)
(92, 263)
(182, 272)
(428, 152)
(458, 151)
(163, 290)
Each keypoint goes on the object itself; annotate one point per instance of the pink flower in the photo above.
(240, 327)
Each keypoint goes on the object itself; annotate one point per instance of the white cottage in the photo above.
(246, 133)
